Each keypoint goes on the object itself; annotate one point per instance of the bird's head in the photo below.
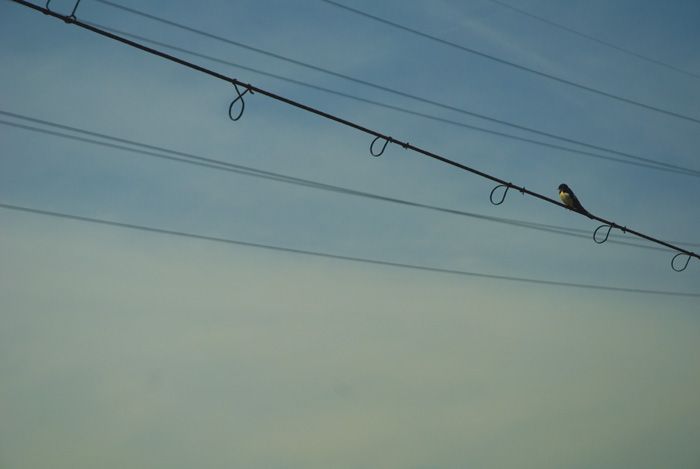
(563, 188)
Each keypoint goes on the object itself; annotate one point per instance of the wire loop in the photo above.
(70, 18)
(595, 234)
(507, 186)
(238, 98)
(371, 147)
(673, 266)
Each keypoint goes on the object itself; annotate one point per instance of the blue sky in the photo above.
(132, 348)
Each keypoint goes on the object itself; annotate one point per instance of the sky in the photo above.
(282, 298)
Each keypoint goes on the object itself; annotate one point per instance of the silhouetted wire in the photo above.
(350, 124)
(183, 157)
(595, 39)
(382, 88)
(638, 160)
(506, 62)
(200, 237)
(243, 170)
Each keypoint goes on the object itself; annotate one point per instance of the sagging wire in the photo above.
(179, 156)
(378, 136)
(379, 262)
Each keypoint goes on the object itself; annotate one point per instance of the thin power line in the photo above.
(637, 160)
(378, 136)
(679, 169)
(379, 87)
(595, 39)
(505, 62)
(183, 157)
(200, 237)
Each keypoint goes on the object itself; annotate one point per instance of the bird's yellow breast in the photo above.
(566, 198)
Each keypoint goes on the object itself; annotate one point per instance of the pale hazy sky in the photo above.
(130, 348)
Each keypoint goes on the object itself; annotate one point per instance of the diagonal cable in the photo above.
(632, 159)
(378, 136)
(371, 85)
(508, 63)
(183, 157)
(595, 39)
(182, 234)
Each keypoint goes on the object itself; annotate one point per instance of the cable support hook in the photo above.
(687, 261)
(371, 146)
(610, 227)
(507, 186)
(68, 19)
(607, 233)
(238, 98)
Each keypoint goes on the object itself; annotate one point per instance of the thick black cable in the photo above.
(595, 39)
(188, 158)
(200, 237)
(637, 160)
(382, 88)
(377, 135)
(508, 63)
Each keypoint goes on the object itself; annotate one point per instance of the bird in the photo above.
(571, 201)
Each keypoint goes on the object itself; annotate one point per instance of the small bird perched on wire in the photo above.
(571, 201)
